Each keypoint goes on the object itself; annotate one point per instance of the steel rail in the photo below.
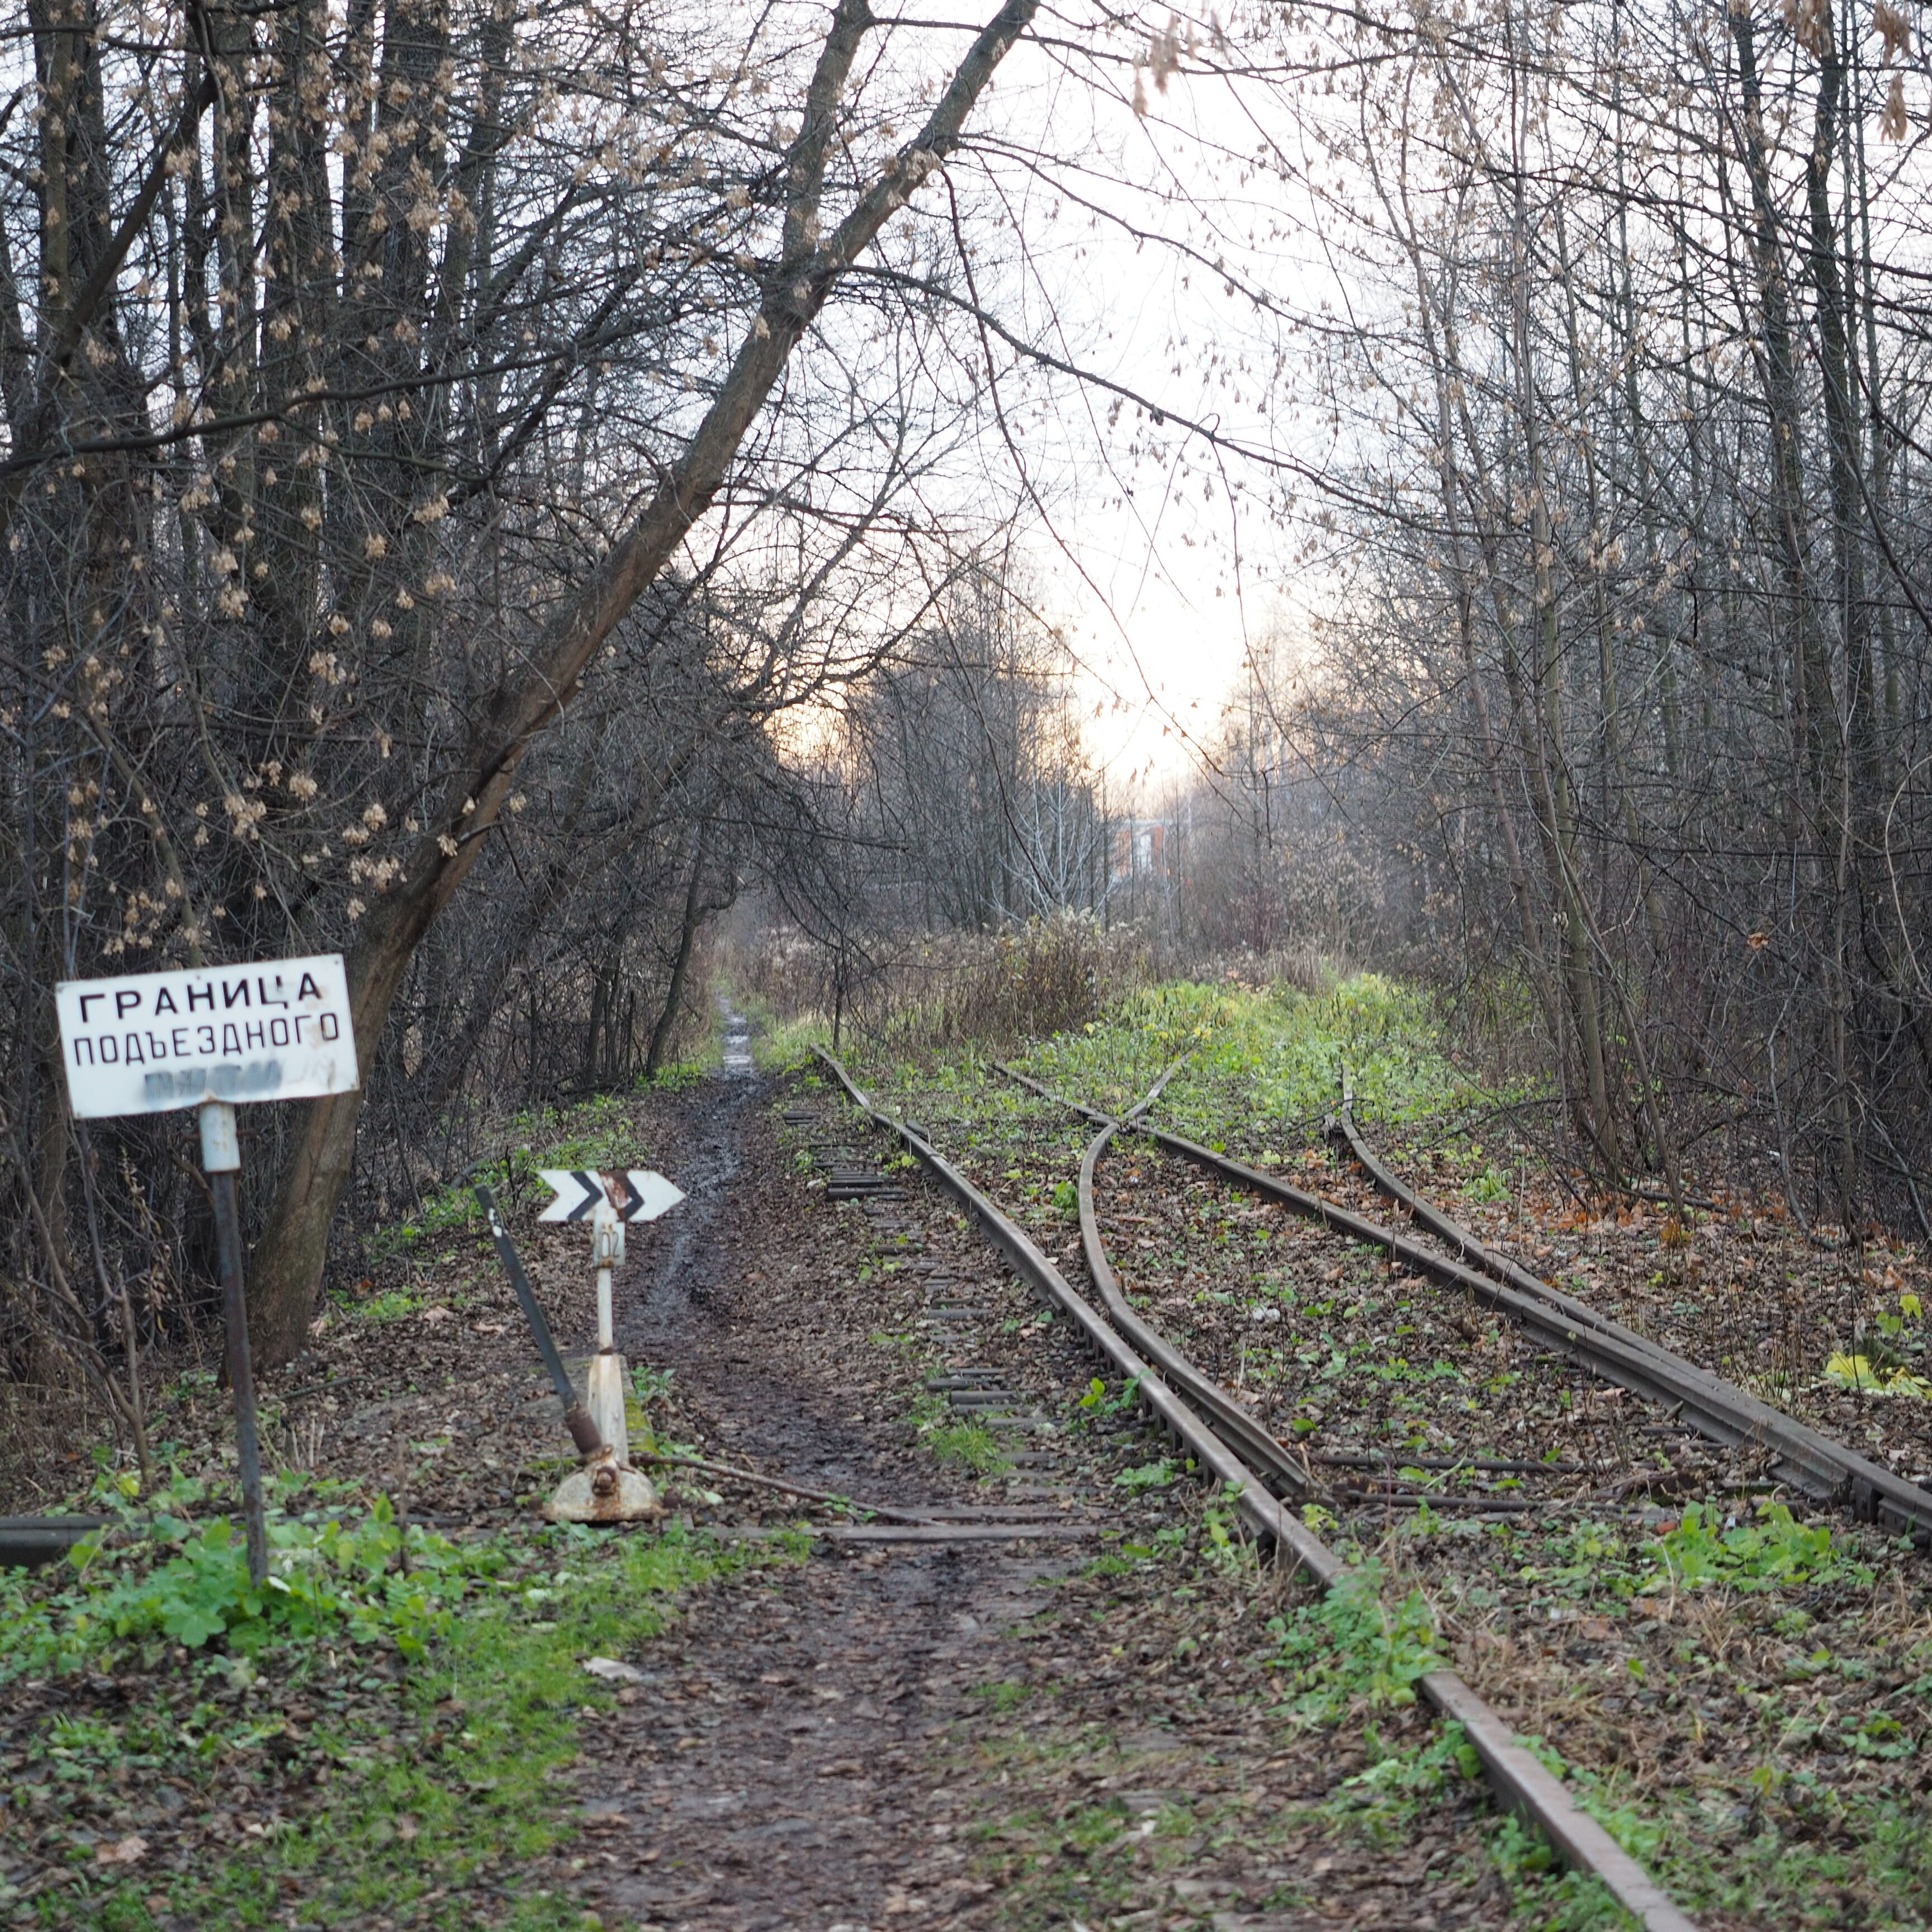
(1257, 1508)
(27, 1541)
(1341, 1125)
(1233, 1422)
(1823, 1468)
(1225, 1415)
(1521, 1780)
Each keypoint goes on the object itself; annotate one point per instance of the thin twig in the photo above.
(789, 1489)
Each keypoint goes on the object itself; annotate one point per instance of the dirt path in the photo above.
(971, 1734)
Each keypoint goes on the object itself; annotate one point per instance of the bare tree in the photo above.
(362, 372)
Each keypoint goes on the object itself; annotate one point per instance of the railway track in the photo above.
(1259, 1472)
(795, 1746)
(1663, 1674)
(1814, 1464)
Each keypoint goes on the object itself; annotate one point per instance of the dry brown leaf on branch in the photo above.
(1811, 22)
(1892, 123)
(1895, 30)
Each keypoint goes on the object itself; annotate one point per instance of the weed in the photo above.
(1007, 1695)
(1561, 1901)
(788, 1045)
(1263, 1057)
(677, 1077)
(1352, 1648)
(1096, 1400)
(969, 1444)
(341, 1581)
(397, 1305)
(1869, 1378)
(1777, 1551)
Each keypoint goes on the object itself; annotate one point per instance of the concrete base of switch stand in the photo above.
(602, 1492)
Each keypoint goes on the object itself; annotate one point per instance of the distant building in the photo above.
(1140, 849)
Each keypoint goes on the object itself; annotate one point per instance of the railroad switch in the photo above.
(607, 1489)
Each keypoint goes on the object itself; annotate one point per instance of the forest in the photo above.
(612, 518)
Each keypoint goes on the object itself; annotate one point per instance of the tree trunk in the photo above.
(289, 1263)
(694, 917)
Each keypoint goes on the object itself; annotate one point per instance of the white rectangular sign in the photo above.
(278, 1029)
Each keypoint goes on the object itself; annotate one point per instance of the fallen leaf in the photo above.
(122, 1852)
(612, 1671)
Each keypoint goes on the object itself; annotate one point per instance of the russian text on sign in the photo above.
(278, 1029)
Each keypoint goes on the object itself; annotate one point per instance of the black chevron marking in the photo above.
(593, 1192)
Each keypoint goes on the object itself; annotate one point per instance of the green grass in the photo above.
(969, 1445)
(442, 1783)
(1351, 1650)
(1261, 1069)
(334, 1577)
(787, 1045)
(1265, 1060)
(395, 1305)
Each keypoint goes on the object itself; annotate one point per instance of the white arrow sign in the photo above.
(640, 1194)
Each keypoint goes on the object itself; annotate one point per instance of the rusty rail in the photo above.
(1811, 1461)
(1521, 1781)
(1823, 1468)
(1224, 1414)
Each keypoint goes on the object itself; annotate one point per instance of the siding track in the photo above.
(1245, 1459)
(1812, 1462)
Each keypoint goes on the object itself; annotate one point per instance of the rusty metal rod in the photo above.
(221, 1161)
(584, 1432)
(891, 1514)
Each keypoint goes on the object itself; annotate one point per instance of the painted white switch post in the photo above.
(605, 1393)
(606, 1490)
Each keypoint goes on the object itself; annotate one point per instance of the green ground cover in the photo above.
(404, 1702)
(1260, 1070)
(1269, 1060)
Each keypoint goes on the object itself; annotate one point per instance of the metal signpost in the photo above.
(608, 1490)
(213, 1037)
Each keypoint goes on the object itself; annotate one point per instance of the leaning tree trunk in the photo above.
(289, 1261)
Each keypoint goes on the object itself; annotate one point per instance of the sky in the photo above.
(1159, 650)
(1161, 565)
